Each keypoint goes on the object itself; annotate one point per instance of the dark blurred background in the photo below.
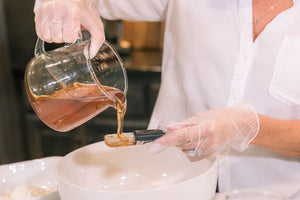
(22, 135)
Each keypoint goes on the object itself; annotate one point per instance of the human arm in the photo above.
(60, 21)
(211, 132)
(281, 136)
(132, 10)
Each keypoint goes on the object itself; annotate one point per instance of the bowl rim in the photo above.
(214, 163)
(46, 159)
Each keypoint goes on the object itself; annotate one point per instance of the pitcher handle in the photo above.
(40, 45)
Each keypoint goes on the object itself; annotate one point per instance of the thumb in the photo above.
(91, 21)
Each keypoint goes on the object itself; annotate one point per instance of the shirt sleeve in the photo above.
(132, 10)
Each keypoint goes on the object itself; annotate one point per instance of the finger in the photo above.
(162, 143)
(37, 20)
(166, 124)
(56, 32)
(42, 24)
(156, 148)
(176, 138)
(187, 138)
(178, 126)
(91, 21)
(96, 43)
(170, 139)
(57, 14)
(71, 30)
(200, 140)
(45, 33)
(190, 144)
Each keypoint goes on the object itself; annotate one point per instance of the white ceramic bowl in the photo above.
(39, 173)
(131, 173)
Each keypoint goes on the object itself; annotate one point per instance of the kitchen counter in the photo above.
(143, 60)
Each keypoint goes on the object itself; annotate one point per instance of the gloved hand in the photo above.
(61, 20)
(210, 132)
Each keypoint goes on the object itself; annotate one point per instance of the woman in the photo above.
(218, 55)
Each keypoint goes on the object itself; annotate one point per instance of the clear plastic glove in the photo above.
(61, 21)
(211, 132)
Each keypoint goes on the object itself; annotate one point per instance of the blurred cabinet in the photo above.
(12, 148)
(144, 35)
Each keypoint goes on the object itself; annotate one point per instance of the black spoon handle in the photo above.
(148, 135)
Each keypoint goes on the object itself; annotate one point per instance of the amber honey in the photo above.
(67, 109)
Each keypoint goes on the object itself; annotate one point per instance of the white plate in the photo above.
(38, 172)
(249, 194)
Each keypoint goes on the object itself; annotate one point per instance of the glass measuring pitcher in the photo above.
(66, 88)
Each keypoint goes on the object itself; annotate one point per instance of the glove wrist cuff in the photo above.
(247, 123)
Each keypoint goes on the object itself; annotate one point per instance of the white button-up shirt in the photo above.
(210, 61)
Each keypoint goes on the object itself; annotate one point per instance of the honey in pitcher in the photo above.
(67, 109)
